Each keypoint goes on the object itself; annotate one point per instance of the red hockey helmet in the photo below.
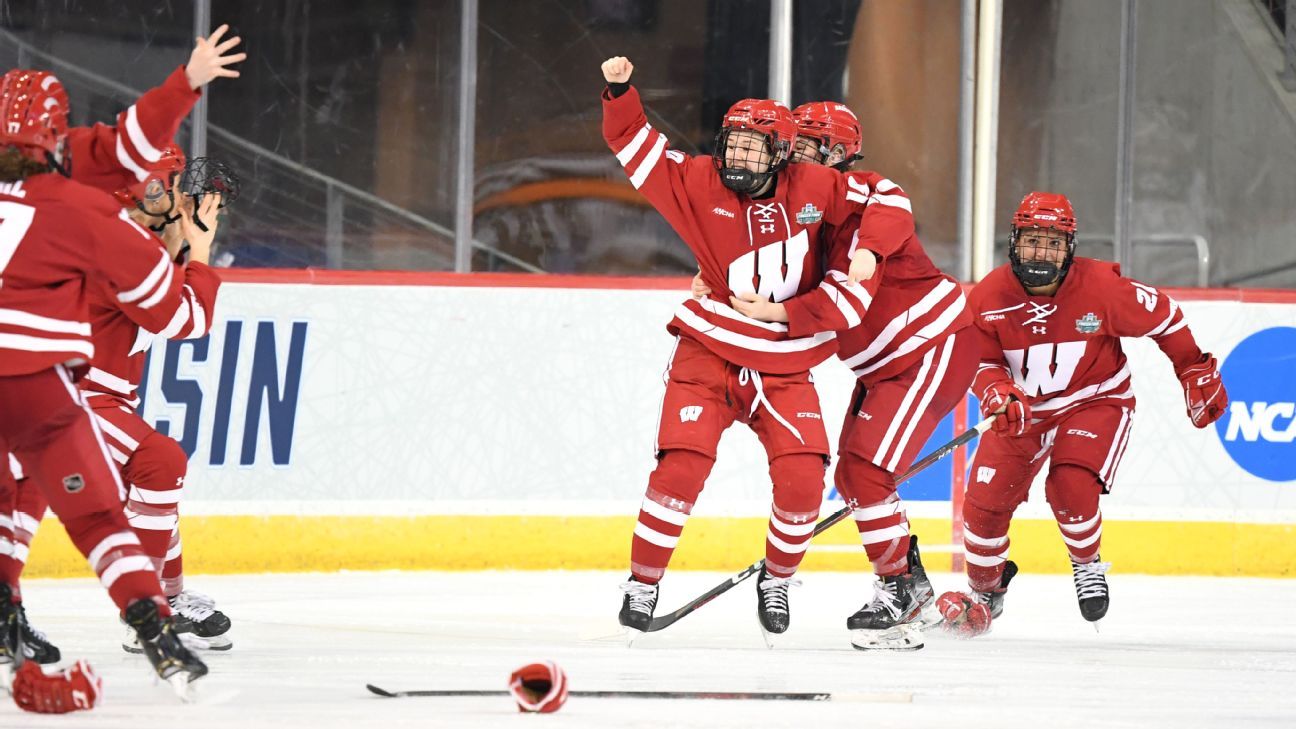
(34, 114)
(1048, 210)
(770, 119)
(539, 687)
(161, 179)
(828, 125)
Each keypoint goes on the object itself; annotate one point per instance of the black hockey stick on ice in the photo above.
(895, 698)
(669, 619)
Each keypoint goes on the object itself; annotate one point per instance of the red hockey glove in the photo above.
(1203, 391)
(539, 687)
(76, 688)
(1007, 396)
(964, 617)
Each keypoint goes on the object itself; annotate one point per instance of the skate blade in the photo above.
(1095, 625)
(6, 675)
(771, 639)
(899, 638)
(196, 642)
(930, 617)
(183, 687)
(630, 635)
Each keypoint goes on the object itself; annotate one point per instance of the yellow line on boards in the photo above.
(243, 544)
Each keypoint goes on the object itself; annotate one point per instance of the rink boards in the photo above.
(341, 420)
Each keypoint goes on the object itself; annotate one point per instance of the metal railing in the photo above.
(294, 198)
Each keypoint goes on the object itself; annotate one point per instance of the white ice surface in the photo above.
(1173, 652)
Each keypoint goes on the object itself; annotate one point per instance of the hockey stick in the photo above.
(669, 619)
(895, 698)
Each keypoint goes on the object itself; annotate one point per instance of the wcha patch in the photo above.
(1088, 324)
(74, 483)
(809, 215)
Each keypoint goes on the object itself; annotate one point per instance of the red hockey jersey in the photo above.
(772, 246)
(58, 236)
(111, 157)
(888, 322)
(1064, 350)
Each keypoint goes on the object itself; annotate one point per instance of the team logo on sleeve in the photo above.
(808, 215)
(73, 483)
(1088, 324)
(690, 413)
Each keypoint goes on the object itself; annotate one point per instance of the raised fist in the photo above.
(963, 616)
(1204, 392)
(72, 690)
(1006, 400)
(617, 70)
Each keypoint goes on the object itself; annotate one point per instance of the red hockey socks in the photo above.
(1073, 493)
(673, 488)
(798, 480)
(879, 516)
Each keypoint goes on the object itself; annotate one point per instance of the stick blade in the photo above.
(380, 692)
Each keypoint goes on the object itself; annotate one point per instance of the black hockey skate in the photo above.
(772, 603)
(10, 636)
(35, 645)
(923, 592)
(891, 621)
(171, 660)
(1091, 588)
(994, 599)
(199, 623)
(638, 606)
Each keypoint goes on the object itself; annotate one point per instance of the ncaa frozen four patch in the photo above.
(1088, 324)
(809, 215)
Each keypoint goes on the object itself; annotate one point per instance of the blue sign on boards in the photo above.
(1259, 429)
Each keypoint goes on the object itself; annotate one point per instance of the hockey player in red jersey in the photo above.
(755, 227)
(154, 465)
(902, 327)
(56, 237)
(1053, 370)
(126, 159)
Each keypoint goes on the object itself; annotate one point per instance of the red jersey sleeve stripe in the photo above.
(150, 282)
(629, 151)
(138, 139)
(649, 163)
(44, 323)
(163, 289)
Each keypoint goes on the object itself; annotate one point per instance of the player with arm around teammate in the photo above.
(1053, 369)
(902, 327)
(754, 226)
(57, 236)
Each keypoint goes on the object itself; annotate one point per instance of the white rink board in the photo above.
(518, 400)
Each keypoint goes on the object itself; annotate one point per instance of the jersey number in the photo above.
(1045, 368)
(15, 219)
(773, 271)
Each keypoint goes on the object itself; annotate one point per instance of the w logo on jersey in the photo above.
(773, 271)
(690, 413)
(1045, 368)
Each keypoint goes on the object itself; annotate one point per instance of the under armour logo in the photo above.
(767, 228)
(984, 474)
(1039, 330)
(799, 518)
(1039, 312)
(180, 481)
(690, 413)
